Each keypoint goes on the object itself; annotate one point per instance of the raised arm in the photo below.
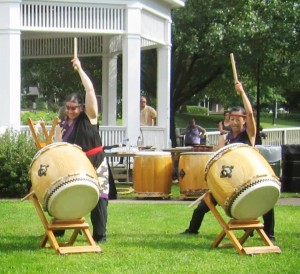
(250, 120)
(91, 105)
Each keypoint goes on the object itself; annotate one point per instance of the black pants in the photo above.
(99, 219)
(269, 223)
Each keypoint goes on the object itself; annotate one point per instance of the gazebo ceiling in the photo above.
(48, 27)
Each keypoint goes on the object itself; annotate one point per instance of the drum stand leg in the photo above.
(48, 135)
(55, 224)
(248, 227)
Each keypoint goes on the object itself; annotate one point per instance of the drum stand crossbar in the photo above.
(248, 226)
(78, 225)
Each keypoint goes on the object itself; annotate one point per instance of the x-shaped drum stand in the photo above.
(248, 227)
(78, 226)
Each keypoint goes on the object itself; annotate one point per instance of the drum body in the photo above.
(242, 181)
(64, 181)
(192, 173)
(152, 174)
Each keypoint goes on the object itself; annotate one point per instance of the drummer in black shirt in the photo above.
(239, 133)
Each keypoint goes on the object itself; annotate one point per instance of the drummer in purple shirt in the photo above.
(240, 133)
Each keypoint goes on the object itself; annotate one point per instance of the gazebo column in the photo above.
(163, 90)
(131, 76)
(10, 70)
(109, 85)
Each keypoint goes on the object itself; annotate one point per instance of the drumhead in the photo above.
(255, 200)
(71, 197)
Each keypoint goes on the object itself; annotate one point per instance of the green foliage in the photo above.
(16, 153)
(46, 116)
(196, 110)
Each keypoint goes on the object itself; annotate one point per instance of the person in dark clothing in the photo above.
(239, 133)
(80, 127)
(224, 125)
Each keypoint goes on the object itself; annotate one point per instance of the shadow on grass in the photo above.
(175, 242)
(20, 243)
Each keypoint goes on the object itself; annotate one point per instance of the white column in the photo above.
(131, 75)
(109, 85)
(163, 90)
(10, 69)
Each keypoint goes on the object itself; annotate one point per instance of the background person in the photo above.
(224, 125)
(80, 127)
(239, 134)
(147, 114)
(193, 134)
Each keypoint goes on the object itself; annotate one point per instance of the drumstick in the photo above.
(235, 77)
(233, 67)
(27, 196)
(75, 49)
(196, 201)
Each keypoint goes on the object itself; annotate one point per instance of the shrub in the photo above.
(46, 116)
(196, 110)
(16, 153)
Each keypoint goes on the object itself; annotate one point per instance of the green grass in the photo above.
(143, 237)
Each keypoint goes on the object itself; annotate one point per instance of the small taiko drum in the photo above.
(152, 174)
(242, 181)
(192, 173)
(64, 181)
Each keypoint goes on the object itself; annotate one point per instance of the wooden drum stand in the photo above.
(78, 226)
(248, 227)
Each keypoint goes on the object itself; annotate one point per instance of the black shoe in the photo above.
(272, 238)
(188, 232)
(99, 239)
(59, 233)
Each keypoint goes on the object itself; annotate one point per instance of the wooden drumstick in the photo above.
(75, 49)
(233, 67)
(235, 77)
(197, 201)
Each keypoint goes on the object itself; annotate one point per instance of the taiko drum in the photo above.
(152, 174)
(242, 181)
(64, 181)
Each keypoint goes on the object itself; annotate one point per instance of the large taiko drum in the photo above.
(152, 174)
(64, 181)
(242, 181)
(192, 173)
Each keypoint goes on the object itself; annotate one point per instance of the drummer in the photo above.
(239, 133)
(80, 127)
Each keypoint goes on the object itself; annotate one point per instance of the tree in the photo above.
(261, 34)
(56, 77)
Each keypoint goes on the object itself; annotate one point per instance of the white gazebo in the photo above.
(107, 28)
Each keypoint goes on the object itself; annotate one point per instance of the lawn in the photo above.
(143, 237)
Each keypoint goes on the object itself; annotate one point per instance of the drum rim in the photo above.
(243, 189)
(71, 178)
(197, 153)
(152, 153)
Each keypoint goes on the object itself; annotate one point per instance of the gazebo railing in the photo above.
(154, 136)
